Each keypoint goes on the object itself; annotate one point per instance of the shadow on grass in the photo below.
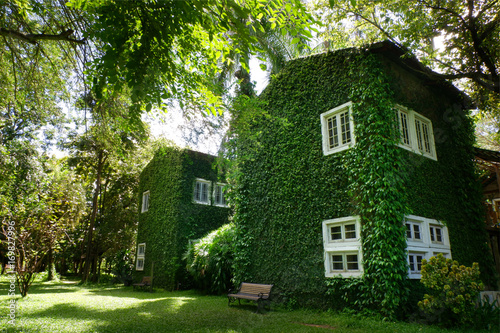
(168, 312)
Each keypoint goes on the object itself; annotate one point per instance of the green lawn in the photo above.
(66, 307)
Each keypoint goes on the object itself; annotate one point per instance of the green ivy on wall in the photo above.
(286, 187)
(173, 218)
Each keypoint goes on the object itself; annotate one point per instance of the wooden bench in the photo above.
(259, 293)
(145, 283)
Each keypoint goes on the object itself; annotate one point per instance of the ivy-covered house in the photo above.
(359, 164)
(182, 199)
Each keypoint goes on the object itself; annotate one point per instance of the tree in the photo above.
(160, 49)
(38, 203)
(97, 155)
(469, 31)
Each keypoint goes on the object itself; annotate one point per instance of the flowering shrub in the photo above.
(453, 291)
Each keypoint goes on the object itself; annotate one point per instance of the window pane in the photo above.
(197, 191)
(350, 231)
(408, 231)
(416, 231)
(204, 192)
(345, 127)
(402, 120)
(433, 239)
(337, 263)
(419, 263)
(333, 137)
(418, 127)
(352, 262)
(336, 232)
(412, 263)
(439, 238)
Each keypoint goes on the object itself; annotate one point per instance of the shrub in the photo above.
(210, 260)
(453, 291)
(123, 267)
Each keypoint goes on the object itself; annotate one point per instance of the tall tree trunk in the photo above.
(95, 202)
(50, 259)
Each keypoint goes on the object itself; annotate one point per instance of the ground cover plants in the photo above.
(67, 307)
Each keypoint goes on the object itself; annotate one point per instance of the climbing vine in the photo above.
(172, 218)
(286, 187)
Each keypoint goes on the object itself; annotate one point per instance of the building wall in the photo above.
(289, 187)
(173, 218)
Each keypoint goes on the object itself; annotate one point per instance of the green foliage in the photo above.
(453, 291)
(285, 187)
(377, 185)
(122, 266)
(173, 218)
(467, 46)
(210, 260)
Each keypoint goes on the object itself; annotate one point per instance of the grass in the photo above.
(65, 307)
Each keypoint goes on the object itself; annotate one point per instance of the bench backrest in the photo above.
(255, 288)
(146, 280)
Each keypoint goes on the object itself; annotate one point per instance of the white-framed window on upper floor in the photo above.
(202, 191)
(220, 195)
(416, 132)
(337, 129)
(140, 257)
(145, 202)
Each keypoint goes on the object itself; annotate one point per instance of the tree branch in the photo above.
(33, 38)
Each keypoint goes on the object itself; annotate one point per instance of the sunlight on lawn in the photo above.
(59, 307)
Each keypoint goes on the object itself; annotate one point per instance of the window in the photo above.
(140, 264)
(145, 202)
(415, 262)
(337, 129)
(220, 195)
(342, 245)
(344, 262)
(141, 253)
(343, 231)
(413, 231)
(416, 132)
(425, 238)
(141, 250)
(201, 192)
(402, 119)
(436, 234)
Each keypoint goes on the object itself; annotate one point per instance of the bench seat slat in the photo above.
(252, 291)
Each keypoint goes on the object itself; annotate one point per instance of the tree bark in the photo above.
(95, 202)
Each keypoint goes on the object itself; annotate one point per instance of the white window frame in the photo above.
(425, 246)
(141, 250)
(200, 199)
(218, 203)
(342, 247)
(434, 234)
(337, 113)
(415, 273)
(140, 257)
(145, 201)
(412, 225)
(410, 140)
(139, 266)
(343, 233)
